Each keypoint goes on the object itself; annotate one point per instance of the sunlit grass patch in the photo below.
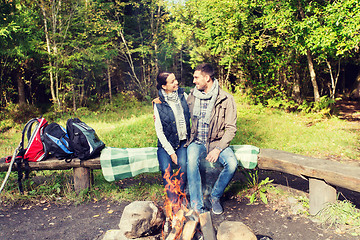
(342, 215)
(306, 134)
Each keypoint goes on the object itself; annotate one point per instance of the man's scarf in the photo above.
(212, 95)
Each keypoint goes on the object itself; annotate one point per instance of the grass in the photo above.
(133, 126)
(306, 134)
(343, 216)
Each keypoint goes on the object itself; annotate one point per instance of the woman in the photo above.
(172, 125)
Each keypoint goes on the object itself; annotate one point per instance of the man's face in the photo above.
(201, 80)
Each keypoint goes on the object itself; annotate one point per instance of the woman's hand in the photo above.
(174, 158)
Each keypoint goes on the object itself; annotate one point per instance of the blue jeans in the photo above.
(227, 159)
(164, 163)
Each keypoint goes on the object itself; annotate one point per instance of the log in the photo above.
(189, 230)
(207, 228)
(55, 164)
(177, 225)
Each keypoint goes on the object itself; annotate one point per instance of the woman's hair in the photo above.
(161, 79)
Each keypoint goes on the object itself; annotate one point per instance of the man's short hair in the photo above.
(206, 68)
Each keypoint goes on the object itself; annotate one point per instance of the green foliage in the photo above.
(121, 101)
(257, 189)
(6, 124)
(22, 113)
(324, 106)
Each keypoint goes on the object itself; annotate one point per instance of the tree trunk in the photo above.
(47, 37)
(21, 86)
(333, 80)
(296, 88)
(310, 61)
(313, 76)
(109, 80)
(74, 97)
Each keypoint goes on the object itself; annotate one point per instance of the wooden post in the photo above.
(81, 179)
(320, 193)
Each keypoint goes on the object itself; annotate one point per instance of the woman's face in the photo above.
(171, 84)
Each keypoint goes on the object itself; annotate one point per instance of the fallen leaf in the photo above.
(96, 216)
(110, 211)
(45, 209)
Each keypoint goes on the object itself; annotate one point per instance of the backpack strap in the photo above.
(20, 157)
(18, 162)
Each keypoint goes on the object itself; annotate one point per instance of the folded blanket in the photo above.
(120, 163)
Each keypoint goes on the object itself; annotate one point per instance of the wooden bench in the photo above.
(82, 169)
(322, 174)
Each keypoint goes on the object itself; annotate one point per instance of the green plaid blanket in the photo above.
(120, 163)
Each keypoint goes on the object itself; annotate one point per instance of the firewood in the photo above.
(189, 230)
(207, 228)
(177, 225)
(191, 215)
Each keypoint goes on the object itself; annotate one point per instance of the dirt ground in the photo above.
(277, 220)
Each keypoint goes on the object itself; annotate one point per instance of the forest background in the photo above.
(64, 55)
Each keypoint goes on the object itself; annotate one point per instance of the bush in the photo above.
(22, 113)
(121, 101)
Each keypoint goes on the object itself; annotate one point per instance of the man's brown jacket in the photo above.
(222, 127)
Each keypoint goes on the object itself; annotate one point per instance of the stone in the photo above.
(141, 219)
(235, 231)
(117, 234)
(114, 234)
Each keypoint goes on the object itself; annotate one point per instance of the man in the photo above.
(213, 117)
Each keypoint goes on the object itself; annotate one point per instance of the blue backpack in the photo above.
(57, 142)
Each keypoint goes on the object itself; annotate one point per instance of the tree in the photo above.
(19, 40)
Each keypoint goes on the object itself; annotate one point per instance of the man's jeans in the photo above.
(195, 153)
(164, 163)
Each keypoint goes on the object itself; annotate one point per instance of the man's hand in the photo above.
(174, 158)
(213, 155)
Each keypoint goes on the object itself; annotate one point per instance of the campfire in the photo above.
(181, 221)
(174, 220)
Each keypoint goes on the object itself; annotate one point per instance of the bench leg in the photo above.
(81, 179)
(320, 193)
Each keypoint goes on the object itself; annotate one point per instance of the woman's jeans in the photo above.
(227, 159)
(164, 163)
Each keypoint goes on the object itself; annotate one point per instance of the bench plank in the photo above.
(55, 164)
(334, 173)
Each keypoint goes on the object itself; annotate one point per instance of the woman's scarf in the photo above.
(179, 118)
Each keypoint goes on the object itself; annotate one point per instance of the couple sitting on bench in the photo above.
(213, 125)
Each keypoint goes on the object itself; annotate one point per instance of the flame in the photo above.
(175, 209)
